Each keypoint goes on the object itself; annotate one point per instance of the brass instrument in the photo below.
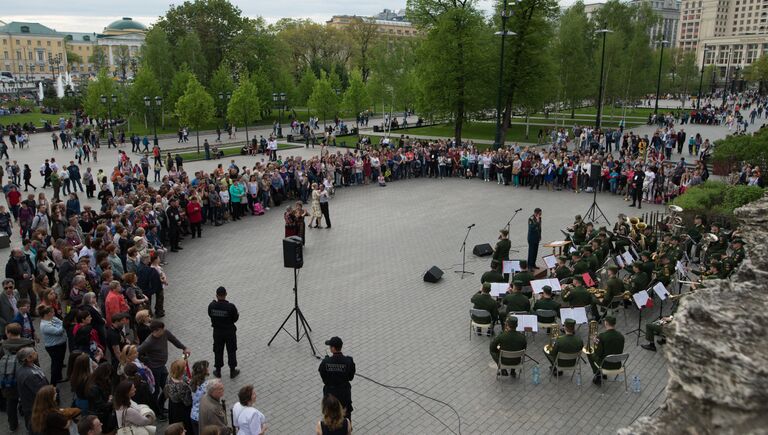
(675, 209)
(554, 334)
(597, 293)
(627, 295)
(566, 291)
(641, 226)
(710, 238)
(589, 347)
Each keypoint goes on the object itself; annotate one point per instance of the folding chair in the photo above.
(510, 354)
(620, 358)
(564, 357)
(545, 326)
(473, 326)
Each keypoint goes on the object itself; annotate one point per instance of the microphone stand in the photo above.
(463, 250)
(509, 224)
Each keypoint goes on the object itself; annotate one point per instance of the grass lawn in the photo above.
(614, 112)
(229, 151)
(474, 130)
(35, 117)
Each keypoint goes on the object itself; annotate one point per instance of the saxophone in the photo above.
(554, 334)
(589, 348)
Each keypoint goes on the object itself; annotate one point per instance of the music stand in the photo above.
(299, 318)
(639, 331)
(591, 214)
(463, 250)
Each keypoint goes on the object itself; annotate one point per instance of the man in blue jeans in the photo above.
(154, 351)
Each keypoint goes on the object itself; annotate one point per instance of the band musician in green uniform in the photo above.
(515, 301)
(525, 277)
(546, 303)
(609, 342)
(562, 270)
(483, 300)
(568, 343)
(509, 340)
(493, 275)
(501, 251)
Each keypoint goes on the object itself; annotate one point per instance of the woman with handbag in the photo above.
(132, 419)
(47, 417)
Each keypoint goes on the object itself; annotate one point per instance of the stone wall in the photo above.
(717, 348)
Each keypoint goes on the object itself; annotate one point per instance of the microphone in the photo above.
(519, 209)
(471, 226)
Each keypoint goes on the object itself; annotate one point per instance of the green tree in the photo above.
(574, 51)
(101, 85)
(122, 57)
(305, 87)
(323, 100)
(454, 56)
(221, 84)
(362, 32)
(758, 72)
(145, 84)
(687, 73)
(244, 106)
(99, 58)
(356, 98)
(189, 50)
(156, 54)
(73, 57)
(195, 108)
(179, 85)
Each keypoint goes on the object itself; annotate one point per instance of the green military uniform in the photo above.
(547, 304)
(610, 342)
(563, 272)
(509, 341)
(579, 233)
(484, 301)
(613, 287)
(639, 282)
(501, 252)
(579, 297)
(651, 243)
(492, 276)
(696, 232)
(592, 261)
(567, 343)
(524, 279)
(517, 302)
(664, 273)
(652, 329)
(738, 254)
(581, 267)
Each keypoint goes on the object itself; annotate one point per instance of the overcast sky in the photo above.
(94, 15)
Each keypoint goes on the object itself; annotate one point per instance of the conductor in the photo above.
(223, 316)
(336, 371)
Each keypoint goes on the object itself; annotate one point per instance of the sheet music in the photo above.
(680, 267)
(619, 261)
(555, 284)
(661, 291)
(538, 285)
(640, 298)
(511, 266)
(528, 321)
(573, 249)
(628, 260)
(550, 261)
(579, 314)
(498, 288)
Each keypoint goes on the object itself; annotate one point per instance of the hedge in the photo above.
(752, 149)
(715, 197)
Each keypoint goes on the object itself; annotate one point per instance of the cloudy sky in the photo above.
(93, 15)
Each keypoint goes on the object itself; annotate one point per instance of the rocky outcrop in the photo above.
(717, 350)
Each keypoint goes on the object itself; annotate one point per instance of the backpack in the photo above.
(8, 366)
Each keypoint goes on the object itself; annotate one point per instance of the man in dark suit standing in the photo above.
(534, 237)
(148, 279)
(637, 184)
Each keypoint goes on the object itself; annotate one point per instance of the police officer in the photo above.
(336, 371)
(223, 316)
(609, 342)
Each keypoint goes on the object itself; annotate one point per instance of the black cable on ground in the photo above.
(394, 389)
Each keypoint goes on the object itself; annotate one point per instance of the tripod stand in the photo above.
(463, 250)
(299, 318)
(591, 214)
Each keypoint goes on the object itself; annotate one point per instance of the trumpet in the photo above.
(627, 295)
(589, 348)
(598, 293)
(554, 334)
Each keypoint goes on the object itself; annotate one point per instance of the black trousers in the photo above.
(57, 354)
(197, 229)
(533, 253)
(326, 213)
(637, 196)
(223, 339)
(173, 234)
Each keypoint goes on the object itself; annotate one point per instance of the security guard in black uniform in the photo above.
(337, 370)
(223, 316)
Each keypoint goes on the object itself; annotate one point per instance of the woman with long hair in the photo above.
(179, 395)
(333, 422)
(47, 418)
(198, 384)
(299, 214)
(128, 412)
(80, 371)
(98, 388)
(144, 390)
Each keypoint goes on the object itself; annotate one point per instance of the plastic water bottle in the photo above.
(636, 384)
(578, 379)
(536, 375)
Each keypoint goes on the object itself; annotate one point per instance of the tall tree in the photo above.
(189, 50)
(758, 71)
(306, 85)
(179, 85)
(323, 100)
(453, 56)
(102, 85)
(122, 56)
(195, 108)
(99, 58)
(363, 33)
(156, 53)
(221, 84)
(145, 84)
(356, 98)
(574, 45)
(245, 106)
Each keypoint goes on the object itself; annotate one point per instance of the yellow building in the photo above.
(385, 27)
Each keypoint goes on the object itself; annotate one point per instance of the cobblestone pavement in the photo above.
(362, 280)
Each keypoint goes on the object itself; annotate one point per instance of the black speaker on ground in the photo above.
(594, 172)
(433, 274)
(483, 250)
(293, 254)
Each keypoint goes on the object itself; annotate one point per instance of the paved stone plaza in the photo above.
(362, 280)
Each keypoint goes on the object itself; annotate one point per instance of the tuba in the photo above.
(589, 348)
(554, 334)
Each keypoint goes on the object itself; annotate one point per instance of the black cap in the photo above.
(221, 291)
(334, 342)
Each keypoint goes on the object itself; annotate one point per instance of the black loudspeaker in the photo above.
(483, 250)
(594, 172)
(293, 254)
(433, 274)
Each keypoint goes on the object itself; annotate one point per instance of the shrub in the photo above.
(752, 149)
(715, 197)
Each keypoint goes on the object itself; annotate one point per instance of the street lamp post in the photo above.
(151, 107)
(279, 99)
(54, 60)
(658, 78)
(505, 15)
(598, 118)
(701, 79)
(109, 101)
